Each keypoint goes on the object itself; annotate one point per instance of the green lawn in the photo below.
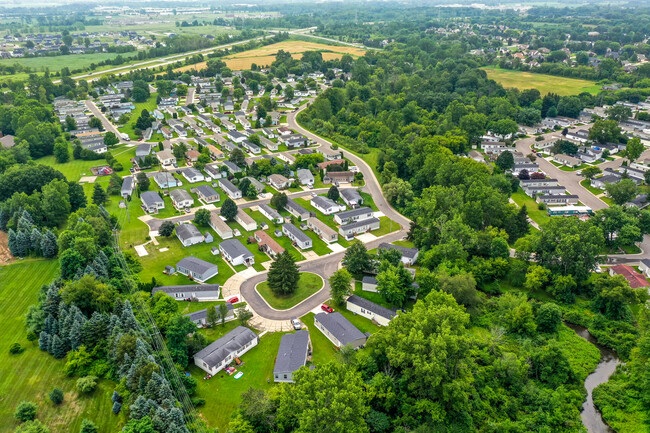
(33, 374)
(371, 296)
(386, 225)
(149, 105)
(563, 86)
(76, 168)
(587, 184)
(222, 393)
(323, 349)
(308, 285)
(56, 63)
(539, 216)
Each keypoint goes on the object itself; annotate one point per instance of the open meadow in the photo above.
(563, 86)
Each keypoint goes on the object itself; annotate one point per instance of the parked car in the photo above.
(233, 300)
(296, 324)
(327, 308)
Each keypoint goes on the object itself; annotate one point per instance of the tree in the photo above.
(49, 246)
(143, 181)
(86, 385)
(462, 287)
(620, 113)
(340, 285)
(61, 152)
(357, 260)
(202, 217)
(591, 172)
(622, 191)
(516, 313)
(237, 157)
(613, 296)
(88, 426)
(211, 316)
(605, 131)
(56, 202)
(166, 229)
(505, 161)
(223, 311)
(99, 195)
(56, 396)
(284, 275)
(70, 261)
(25, 411)
(34, 426)
(77, 196)
(548, 318)
(333, 193)
(279, 200)
(229, 209)
(243, 315)
(95, 122)
(537, 278)
(177, 331)
(111, 139)
(634, 149)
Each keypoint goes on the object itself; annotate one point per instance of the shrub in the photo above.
(32, 427)
(56, 396)
(117, 407)
(88, 426)
(25, 411)
(86, 384)
(198, 402)
(16, 349)
(541, 206)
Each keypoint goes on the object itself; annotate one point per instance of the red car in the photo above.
(233, 300)
(327, 308)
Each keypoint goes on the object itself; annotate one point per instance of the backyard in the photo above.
(308, 285)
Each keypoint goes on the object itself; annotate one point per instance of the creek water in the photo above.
(591, 417)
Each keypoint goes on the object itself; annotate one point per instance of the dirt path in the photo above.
(5, 255)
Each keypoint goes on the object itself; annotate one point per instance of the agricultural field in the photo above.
(544, 83)
(54, 64)
(264, 56)
(32, 374)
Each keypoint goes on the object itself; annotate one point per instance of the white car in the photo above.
(296, 324)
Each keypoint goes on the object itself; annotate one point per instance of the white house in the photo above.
(216, 356)
(188, 234)
(246, 221)
(270, 213)
(325, 205)
(231, 190)
(279, 182)
(236, 253)
(297, 236)
(370, 310)
(193, 175)
(181, 199)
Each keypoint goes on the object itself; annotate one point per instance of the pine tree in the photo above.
(58, 348)
(333, 193)
(99, 195)
(13, 247)
(25, 222)
(284, 275)
(116, 397)
(35, 240)
(117, 407)
(229, 209)
(74, 335)
(50, 325)
(49, 246)
(22, 244)
(44, 341)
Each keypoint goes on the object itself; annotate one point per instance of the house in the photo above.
(192, 175)
(267, 244)
(207, 193)
(324, 165)
(236, 253)
(292, 355)
(339, 330)
(214, 171)
(128, 185)
(270, 133)
(151, 201)
(219, 225)
(251, 147)
(215, 152)
(358, 214)
(370, 310)
(581, 135)
(635, 279)
(369, 284)
(530, 167)
(358, 227)
(270, 213)
(259, 186)
(231, 190)
(284, 131)
(232, 167)
(330, 154)
(494, 147)
(532, 191)
(409, 255)
(165, 180)
(537, 182)
(279, 182)
(181, 199)
(567, 160)
(197, 269)
(216, 356)
(236, 136)
(200, 292)
(338, 177)
(188, 234)
(601, 182)
(557, 199)
(166, 133)
(305, 177)
(297, 236)
(351, 197)
(201, 317)
(142, 151)
(166, 157)
(296, 210)
(325, 205)
(192, 155)
(644, 266)
(245, 220)
(324, 231)
(273, 147)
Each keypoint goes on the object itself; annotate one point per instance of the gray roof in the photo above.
(292, 353)
(322, 202)
(195, 265)
(163, 177)
(295, 207)
(191, 172)
(149, 198)
(340, 327)
(269, 210)
(369, 280)
(127, 184)
(233, 341)
(646, 262)
(406, 252)
(143, 149)
(350, 194)
(304, 174)
(187, 288)
(180, 195)
(186, 231)
(353, 213)
(206, 190)
(203, 314)
(371, 306)
(296, 232)
(235, 248)
(359, 223)
(228, 185)
(232, 166)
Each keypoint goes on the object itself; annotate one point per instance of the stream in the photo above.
(591, 417)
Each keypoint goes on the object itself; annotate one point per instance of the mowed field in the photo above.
(544, 83)
(264, 56)
(32, 374)
(76, 61)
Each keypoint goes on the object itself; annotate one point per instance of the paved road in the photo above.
(569, 179)
(108, 126)
(190, 95)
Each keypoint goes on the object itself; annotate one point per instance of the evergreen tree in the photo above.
(57, 347)
(13, 248)
(44, 341)
(117, 407)
(284, 275)
(22, 244)
(88, 426)
(333, 193)
(229, 209)
(74, 335)
(143, 181)
(99, 195)
(49, 245)
(25, 222)
(35, 240)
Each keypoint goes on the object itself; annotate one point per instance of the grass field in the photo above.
(33, 374)
(308, 285)
(539, 216)
(544, 83)
(76, 61)
(264, 56)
